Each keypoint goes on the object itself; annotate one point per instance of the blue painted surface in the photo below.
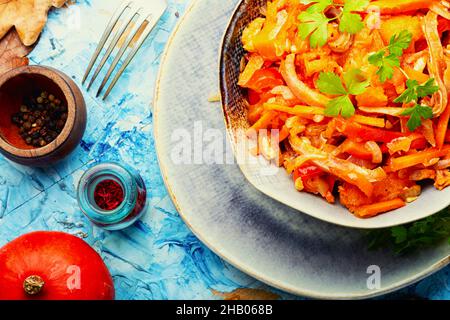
(157, 258)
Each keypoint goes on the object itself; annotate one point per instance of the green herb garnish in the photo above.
(314, 22)
(413, 93)
(417, 114)
(330, 83)
(389, 57)
(414, 236)
(351, 22)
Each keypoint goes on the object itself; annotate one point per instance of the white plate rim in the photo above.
(261, 277)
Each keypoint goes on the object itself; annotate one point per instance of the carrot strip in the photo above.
(375, 209)
(284, 134)
(297, 110)
(262, 123)
(371, 121)
(416, 75)
(418, 158)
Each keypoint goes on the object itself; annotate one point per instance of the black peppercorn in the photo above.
(36, 142)
(27, 125)
(40, 119)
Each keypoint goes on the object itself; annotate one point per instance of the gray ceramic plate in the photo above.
(264, 238)
(278, 184)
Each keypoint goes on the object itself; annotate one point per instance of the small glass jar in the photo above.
(128, 210)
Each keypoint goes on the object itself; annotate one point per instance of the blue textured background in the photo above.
(158, 257)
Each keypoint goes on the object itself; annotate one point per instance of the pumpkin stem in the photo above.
(33, 285)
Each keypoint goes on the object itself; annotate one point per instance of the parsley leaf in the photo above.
(410, 94)
(314, 25)
(355, 82)
(389, 57)
(400, 42)
(340, 106)
(314, 22)
(415, 91)
(405, 239)
(352, 22)
(386, 70)
(427, 89)
(417, 113)
(330, 83)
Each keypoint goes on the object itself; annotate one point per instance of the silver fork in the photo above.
(134, 21)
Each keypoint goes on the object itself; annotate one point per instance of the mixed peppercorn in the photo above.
(40, 119)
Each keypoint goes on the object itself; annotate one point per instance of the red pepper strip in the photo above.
(331, 182)
(307, 172)
(443, 25)
(312, 171)
(357, 131)
(253, 97)
(401, 6)
(265, 79)
(421, 45)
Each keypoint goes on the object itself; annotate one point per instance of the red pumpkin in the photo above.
(53, 266)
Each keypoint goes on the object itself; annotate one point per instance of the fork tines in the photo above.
(127, 30)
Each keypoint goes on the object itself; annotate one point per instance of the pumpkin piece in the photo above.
(391, 188)
(250, 32)
(416, 75)
(396, 24)
(372, 97)
(351, 197)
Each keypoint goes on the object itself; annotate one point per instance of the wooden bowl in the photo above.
(24, 82)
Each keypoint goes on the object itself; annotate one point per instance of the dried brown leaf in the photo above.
(27, 16)
(12, 52)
